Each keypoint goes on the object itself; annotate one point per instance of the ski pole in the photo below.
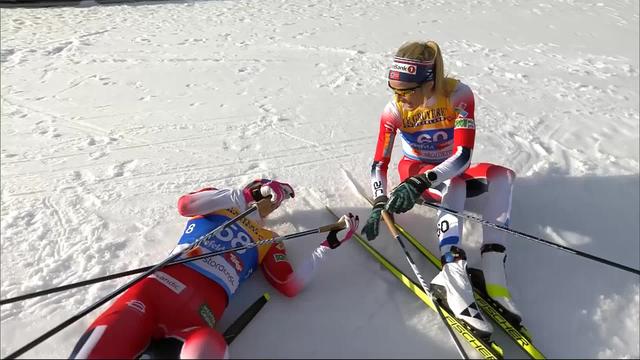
(124, 287)
(535, 239)
(390, 224)
(336, 226)
(362, 193)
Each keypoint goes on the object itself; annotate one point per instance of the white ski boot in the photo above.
(495, 280)
(453, 288)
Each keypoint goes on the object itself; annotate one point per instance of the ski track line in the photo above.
(322, 147)
(63, 156)
(83, 126)
(47, 204)
(147, 176)
(284, 153)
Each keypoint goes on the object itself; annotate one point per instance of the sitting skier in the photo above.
(185, 301)
(434, 116)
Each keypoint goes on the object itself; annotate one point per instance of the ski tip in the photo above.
(267, 296)
(497, 349)
(525, 332)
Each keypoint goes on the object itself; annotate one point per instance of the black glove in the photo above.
(371, 228)
(404, 196)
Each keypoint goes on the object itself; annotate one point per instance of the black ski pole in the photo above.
(512, 232)
(336, 226)
(536, 239)
(389, 221)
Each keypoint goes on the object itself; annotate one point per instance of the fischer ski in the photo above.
(517, 332)
(488, 350)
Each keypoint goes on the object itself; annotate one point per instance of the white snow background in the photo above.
(110, 113)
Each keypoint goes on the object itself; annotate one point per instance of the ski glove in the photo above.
(278, 191)
(404, 196)
(371, 228)
(352, 225)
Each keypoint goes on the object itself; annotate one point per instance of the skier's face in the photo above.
(411, 94)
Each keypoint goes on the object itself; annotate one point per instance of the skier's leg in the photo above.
(449, 226)
(496, 208)
(189, 319)
(123, 330)
(493, 185)
(452, 284)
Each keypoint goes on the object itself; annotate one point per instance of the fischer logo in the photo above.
(405, 68)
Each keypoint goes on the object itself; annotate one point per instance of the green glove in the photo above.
(371, 228)
(404, 196)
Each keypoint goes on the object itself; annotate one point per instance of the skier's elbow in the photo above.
(290, 290)
(184, 205)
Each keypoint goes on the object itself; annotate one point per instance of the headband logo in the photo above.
(409, 69)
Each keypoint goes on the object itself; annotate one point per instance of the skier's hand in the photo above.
(278, 191)
(404, 196)
(371, 227)
(337, 237)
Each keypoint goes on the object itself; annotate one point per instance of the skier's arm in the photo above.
(384, 147)
(278, 270)
(464, 134)
(208, 200)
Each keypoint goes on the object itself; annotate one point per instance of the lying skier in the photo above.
(185, 301)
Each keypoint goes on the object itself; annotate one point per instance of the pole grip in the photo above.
(390, 223)
(336, 226)
(264, 205)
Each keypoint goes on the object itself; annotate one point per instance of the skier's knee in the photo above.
(204, 343)
(498, 171)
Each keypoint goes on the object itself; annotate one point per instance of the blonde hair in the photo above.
(429, 51)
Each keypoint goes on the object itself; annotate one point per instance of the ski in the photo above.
(169, 348)
(517, 332)
(243, 320)
(488, 350)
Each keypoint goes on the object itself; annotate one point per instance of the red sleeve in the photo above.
(464, 133)
(184, 203)
(208, 200)
(386, 137)
(384, 146)
(279, 272)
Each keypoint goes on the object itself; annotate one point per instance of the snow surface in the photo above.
(110, 113)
